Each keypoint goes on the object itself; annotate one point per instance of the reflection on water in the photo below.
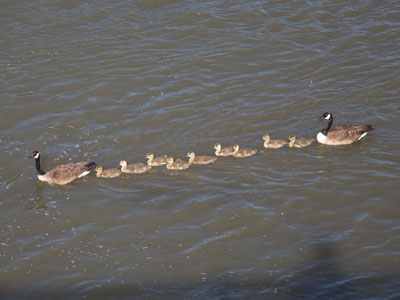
(38, 203)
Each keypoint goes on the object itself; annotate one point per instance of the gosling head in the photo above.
(170, 160)
(292, 138)
(149, 155)
(236, 147)
(123, 163)
(217, 146)
(190, 154)
(266, 137)
(98, 170)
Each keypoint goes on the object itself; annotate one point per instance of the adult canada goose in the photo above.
(178, 165)
(201, 160)
(341, 135)
(273, 144)
(246, 152)
(228, 151)
(108, 173)
(299, 143)
(137, 168)
(156, 162)
(62, 174)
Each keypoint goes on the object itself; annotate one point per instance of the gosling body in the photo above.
(156, 162)
(201, 160)
(219, 151)
(177, 165)
(245, 152)
(273, 144)
(137, 168)
(108, 173)
(299, 142)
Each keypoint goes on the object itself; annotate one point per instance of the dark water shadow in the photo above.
(320, 278)
(324, 278)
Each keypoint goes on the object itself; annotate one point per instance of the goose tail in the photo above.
(370, 127)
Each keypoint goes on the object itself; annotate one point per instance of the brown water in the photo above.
(112, 80)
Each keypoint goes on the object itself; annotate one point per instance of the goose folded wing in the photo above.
(70, 171)
(348, 132)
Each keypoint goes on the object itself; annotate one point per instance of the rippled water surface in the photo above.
(112, 80)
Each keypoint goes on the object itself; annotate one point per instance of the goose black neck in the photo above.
(325, 131)
(38, 168)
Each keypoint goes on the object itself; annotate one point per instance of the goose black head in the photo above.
(326, 116)
(34, 154)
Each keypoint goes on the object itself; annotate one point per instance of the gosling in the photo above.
(137, 168)
(228, 151)
(246, 152)
(109, 173)
(273, 144)
(299, 143)
(178, 165)
(200, 160)
(156, 162)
